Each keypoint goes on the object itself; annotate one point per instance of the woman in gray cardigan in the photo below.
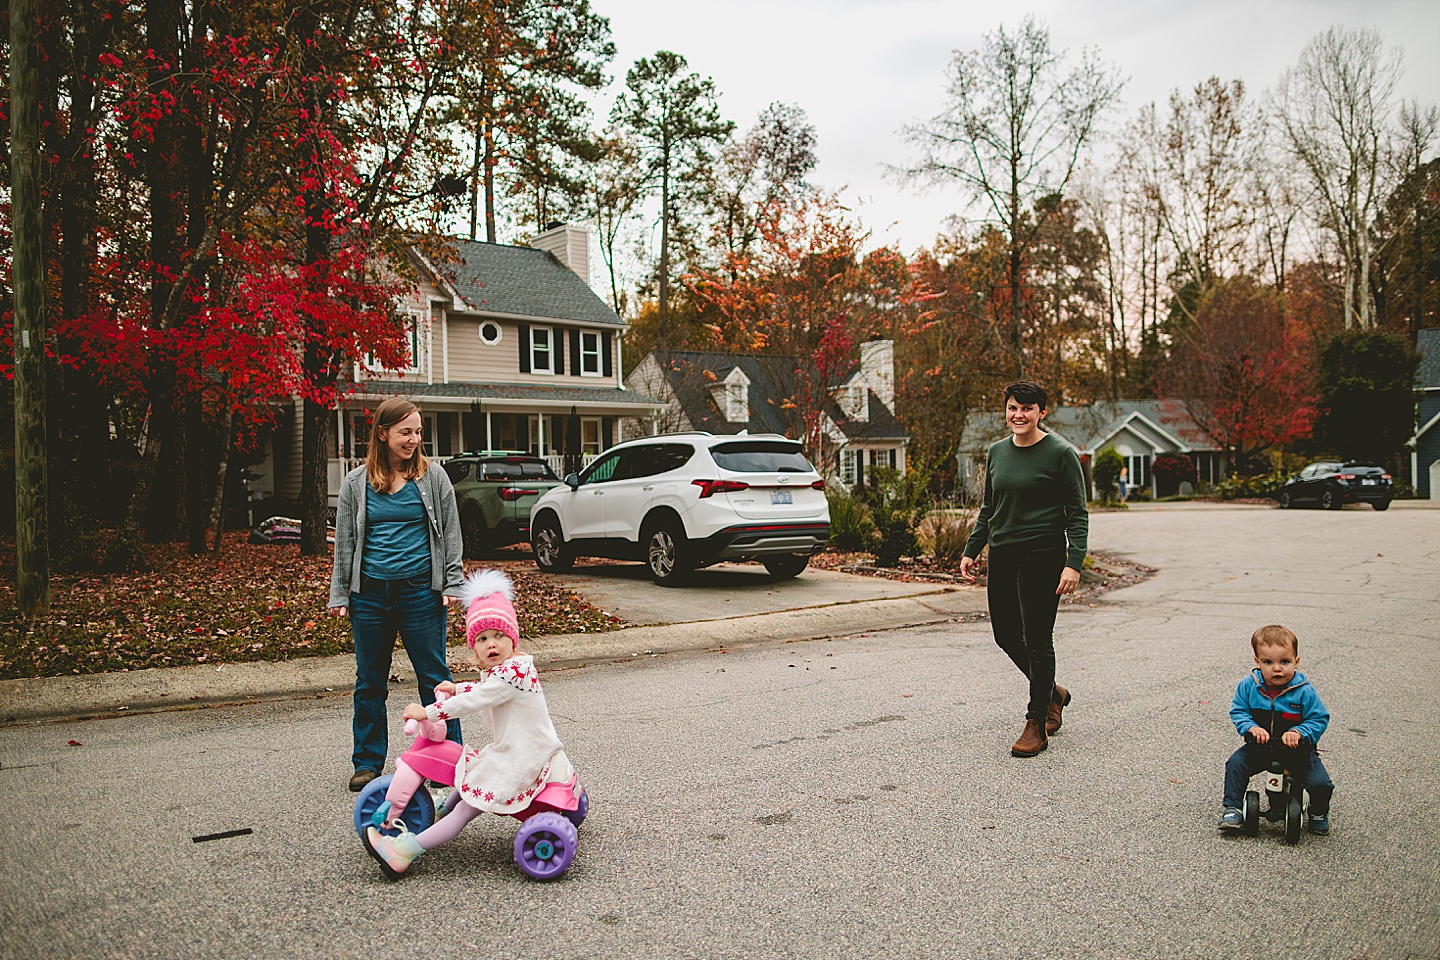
(397, 570)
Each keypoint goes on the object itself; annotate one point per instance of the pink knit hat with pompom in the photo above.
(488, 597)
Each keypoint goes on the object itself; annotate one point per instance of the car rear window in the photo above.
(1362, 469)
(761, 456)
(457, 470)
(516, 469)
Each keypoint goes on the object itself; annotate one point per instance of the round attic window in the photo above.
(490, 332)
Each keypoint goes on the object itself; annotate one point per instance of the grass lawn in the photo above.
(249, 602)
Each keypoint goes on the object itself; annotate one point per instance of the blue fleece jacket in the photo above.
(1297, 707)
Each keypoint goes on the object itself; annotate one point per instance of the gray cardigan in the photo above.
(447, 573)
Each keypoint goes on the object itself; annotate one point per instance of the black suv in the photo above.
(1332, 483)
(494, 490)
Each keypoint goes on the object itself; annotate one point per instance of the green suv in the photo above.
(494, 490)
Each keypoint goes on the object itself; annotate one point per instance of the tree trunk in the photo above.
(662, 328)
(315, 481)
(217, 498)
(32, 526)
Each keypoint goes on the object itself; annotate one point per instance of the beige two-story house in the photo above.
(510, 350)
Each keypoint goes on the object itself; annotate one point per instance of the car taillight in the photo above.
(1385, 476)
(711, 487)
(818, 484)
(514, 493)
(1344, 476)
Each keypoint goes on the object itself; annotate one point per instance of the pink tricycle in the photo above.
(545, 843)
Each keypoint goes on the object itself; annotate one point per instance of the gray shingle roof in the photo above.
(521, 282)
(772, 381)
(1085, 426)
(1428, 343)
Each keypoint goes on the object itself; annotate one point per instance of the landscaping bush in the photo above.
(1171, 470)
(1106, 473)
(944, 533)
(1237, 487)
(896, 506)
(851, 527)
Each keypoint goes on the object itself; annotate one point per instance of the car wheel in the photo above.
(474, 535)
(786, 567)
(1381, 504)
(1285, 502)
(548, 545)
(667, 553)
(1329, 501)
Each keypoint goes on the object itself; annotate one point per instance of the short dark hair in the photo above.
(1027, 391)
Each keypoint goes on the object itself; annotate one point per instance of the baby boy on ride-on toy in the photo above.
(523, 764)
(1274, 703)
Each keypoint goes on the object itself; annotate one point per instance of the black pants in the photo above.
(1021, 584)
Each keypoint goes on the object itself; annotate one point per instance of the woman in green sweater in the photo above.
(1034, 519)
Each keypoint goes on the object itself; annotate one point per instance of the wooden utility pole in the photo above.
(32, 527)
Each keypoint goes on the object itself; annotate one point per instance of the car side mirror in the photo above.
(572, 480)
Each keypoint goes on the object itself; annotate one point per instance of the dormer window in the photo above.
(854, 400)
(732, 396)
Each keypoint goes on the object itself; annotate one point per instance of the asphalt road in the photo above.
(843, 798)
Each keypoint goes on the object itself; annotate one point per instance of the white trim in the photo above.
(1137, 415)
(437, 276)
(543, 321)
(615, 408)
(1432, 421)
(499, 332)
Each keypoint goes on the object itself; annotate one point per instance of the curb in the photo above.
(47, 699)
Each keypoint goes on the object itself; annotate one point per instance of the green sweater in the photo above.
(1032, 493)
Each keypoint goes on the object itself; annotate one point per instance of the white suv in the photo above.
(685, 500)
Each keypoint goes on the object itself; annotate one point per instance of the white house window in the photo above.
(413, 324)
(542, 352)
(590, 435)
(489, 333)
(736, 409)
(589, 353)
(847, 465)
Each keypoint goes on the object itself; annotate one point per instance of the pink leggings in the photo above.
(448, 827)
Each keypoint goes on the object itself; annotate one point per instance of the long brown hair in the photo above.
(378, 469)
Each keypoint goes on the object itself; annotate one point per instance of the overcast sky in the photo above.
(862, 69)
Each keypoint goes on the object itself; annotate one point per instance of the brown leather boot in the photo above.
(1059, 700)
(1032, 741)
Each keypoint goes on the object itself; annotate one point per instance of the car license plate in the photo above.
(781, 496)
(1368, 483)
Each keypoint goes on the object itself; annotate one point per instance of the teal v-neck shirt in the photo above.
(1033, 494)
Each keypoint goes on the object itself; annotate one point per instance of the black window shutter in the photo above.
(607, 349)
(524, 339)
(574, 353)
(607, 433)
(557, 351)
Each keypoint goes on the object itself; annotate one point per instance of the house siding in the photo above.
(474, 361)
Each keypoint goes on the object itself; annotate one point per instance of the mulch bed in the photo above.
(1101, 574)
(249, 602)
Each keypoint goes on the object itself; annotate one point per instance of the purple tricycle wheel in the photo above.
(545, 845)
(419, 812)
(577, 816)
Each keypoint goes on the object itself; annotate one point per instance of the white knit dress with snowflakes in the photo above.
(504, 776)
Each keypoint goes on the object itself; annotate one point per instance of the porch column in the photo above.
(540, 434)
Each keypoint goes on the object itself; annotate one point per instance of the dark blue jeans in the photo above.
(1020, 585)
(378, 612)
(1303, 762)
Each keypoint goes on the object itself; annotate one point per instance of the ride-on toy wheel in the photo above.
(1292, 820)
(419, 812)
(545, 845)
(1252, 813)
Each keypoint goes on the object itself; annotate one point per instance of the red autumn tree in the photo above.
(1242, 370)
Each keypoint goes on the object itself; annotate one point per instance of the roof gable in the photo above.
(495, 278)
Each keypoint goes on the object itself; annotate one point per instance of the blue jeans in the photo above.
(382, 609)
(1303, 762)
